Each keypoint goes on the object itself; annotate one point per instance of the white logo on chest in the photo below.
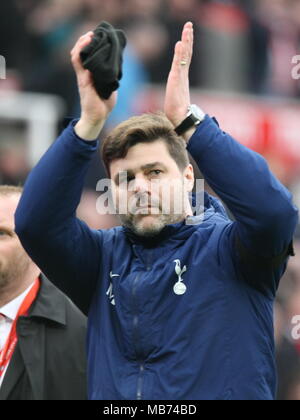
(179, 287)
(109, 292)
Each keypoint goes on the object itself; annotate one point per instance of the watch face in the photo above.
(197, 112)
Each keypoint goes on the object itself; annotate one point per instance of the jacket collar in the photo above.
(50, 303)
(11, 309)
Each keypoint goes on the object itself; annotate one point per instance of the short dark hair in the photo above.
(7, 190)
(146, 128)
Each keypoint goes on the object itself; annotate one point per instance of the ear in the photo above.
(189, 178)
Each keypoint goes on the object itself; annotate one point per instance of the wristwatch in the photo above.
(194, 117)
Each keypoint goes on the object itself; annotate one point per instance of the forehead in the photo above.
(143, 154)
(8, 206)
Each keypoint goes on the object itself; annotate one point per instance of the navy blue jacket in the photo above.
(145, 342)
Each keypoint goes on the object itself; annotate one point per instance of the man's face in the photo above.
(14, 261)
(150, 191)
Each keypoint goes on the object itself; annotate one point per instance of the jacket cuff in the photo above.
(201, 139)
(70, 129)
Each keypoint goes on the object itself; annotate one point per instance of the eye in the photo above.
(124, 181)
(130, 178)
(3, 233)
(156, 172)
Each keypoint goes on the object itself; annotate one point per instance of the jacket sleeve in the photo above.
(261, 237)
(66, 250)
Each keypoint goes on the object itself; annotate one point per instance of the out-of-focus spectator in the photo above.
(295, 188)
(112, 11)
(144, 9)
(52, 26)
(14, 166)
(287, 358)
(14, 42)
(42, 334)
(288, 349)
(175, 14)
(225, 46)
(283, 24)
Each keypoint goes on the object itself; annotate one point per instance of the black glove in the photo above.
(103, 57)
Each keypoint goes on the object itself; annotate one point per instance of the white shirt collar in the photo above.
(11, 309)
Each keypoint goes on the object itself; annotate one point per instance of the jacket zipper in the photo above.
(135, 341)
(140, 382)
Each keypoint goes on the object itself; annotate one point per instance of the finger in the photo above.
(185, 46)
(187, 41)
(75, 53)
(184, 49)
(190, 38)
(177, 56)
(89, 33)
(191, 42)
(188, 26)
(82, 40)
(180, 62)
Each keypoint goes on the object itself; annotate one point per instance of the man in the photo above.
(42, 334)
(180, 307)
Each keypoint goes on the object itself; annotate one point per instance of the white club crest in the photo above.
(179, 288)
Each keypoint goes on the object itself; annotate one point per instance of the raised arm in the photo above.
(265, 215)
(65, 249)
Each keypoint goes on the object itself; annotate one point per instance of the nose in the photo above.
(140, 185)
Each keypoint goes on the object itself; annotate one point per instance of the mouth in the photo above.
(147, 210)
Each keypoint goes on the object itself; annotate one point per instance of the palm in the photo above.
(91, 102)
(177, 97)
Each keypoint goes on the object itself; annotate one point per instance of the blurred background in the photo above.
(241, 74)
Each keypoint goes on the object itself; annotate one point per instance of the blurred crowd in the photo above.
(242, 46)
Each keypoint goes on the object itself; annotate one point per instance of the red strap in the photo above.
(298, 346)
(11, 342)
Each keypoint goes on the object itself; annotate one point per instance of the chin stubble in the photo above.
(152, 230)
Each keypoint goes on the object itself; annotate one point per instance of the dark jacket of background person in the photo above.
(49, 362)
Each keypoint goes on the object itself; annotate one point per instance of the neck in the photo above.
(12, 291)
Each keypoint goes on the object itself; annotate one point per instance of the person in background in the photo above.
(42, 333)
(14, 167)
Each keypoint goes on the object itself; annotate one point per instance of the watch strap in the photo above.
(186, 124)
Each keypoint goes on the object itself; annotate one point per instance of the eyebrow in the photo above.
(143, 168)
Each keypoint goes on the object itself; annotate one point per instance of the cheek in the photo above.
(19, 257)
(171, 192)
(8, 250)
(6, 246)
(120, 199)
